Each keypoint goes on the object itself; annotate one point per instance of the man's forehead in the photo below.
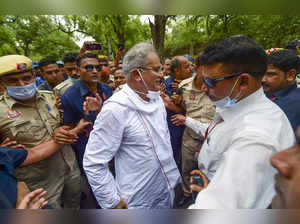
(153, 59)
(70, 64)
(93, 61)
(50, 67)
(214, 70)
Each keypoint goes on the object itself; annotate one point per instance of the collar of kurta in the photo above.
(241, 106)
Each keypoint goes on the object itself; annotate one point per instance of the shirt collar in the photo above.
(285, 90)
(241, 106)
(84, 91)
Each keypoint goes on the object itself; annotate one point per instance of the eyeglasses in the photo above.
(211, 83)
(157, 70)
(90, 68)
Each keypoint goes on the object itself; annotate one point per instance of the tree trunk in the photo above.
(207, 25)
(158, 30)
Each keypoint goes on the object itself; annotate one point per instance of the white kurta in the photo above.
(236, 154)
(135, 132)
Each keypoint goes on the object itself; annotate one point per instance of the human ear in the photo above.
(291, 75)
(245, 82)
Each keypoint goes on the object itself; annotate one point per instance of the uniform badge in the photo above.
(13, 114)
(21, 66)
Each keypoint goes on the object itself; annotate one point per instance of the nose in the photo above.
(204, 88)
(22, 83)
(264, 79)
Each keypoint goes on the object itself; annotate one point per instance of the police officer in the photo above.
(70, 68)
(31, 118)
(197, 105)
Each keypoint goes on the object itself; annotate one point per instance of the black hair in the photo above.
(285, 60)
(238, 54)
(70, 57)
(175, 63)
(45, 62)
(86, 55)
(292, 45)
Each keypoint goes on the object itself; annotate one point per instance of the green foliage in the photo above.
(39, 36)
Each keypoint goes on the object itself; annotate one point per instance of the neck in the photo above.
(139, 92)
(92, 86)
(198, 82)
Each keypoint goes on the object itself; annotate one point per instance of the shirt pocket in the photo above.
(28, 130)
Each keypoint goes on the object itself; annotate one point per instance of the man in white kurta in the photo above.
(132, 128)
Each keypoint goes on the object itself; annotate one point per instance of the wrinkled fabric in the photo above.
(135, 133)
(236, 154)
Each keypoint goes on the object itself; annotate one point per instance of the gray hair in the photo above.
(136, 57)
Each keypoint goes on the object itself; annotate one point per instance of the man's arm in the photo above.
(103, 144)
(41, 152)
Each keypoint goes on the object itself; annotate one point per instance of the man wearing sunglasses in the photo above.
(247, 129)
(132, 128)
(70, 68)
(74, 104)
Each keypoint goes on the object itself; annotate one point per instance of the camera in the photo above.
(93, 46)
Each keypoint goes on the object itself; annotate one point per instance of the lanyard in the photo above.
(207, 132)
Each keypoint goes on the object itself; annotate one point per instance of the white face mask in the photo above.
(227, 102)
(152, 95)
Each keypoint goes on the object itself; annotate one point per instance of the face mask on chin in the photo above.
(227, 102)
(22, 92)
(152, 95)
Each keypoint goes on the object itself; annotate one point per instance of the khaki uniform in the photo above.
(62, 87)
(298, 81)
(32, 125)
(198, 106)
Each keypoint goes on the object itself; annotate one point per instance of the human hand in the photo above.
(63, 135)
(80, 126)
(176, 99)
(194, 187)
(122, 204)
(178, 119)
(92, 104)
(11, 144)
(163, 88)
(33, 200)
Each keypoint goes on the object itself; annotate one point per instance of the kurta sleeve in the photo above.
(103, 144)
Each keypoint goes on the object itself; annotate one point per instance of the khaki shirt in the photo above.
(62, 87)
(32, 125)
(198, 106)
(298, 82)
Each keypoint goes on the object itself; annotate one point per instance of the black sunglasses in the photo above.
(211, 83)
(90, 68)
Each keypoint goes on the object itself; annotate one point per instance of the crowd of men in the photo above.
(87, 132)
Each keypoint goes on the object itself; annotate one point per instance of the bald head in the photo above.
(180, 68)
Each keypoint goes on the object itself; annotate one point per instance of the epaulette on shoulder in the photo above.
(61, 85)
(185, 82)
(45, 91)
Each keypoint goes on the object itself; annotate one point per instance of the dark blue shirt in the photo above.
(72, 104)
(9, 160)
(288, 99)
(176, 132)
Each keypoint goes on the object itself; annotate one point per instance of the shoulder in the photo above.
(63, 84)
(48, 95)
(106, 89)
(73, 90)
(186, 82)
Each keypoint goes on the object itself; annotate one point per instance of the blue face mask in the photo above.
(22, 92)
(227, 102)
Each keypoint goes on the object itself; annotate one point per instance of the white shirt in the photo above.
(235, 156)
(135, 132)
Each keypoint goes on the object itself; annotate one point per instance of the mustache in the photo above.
(265, 84)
